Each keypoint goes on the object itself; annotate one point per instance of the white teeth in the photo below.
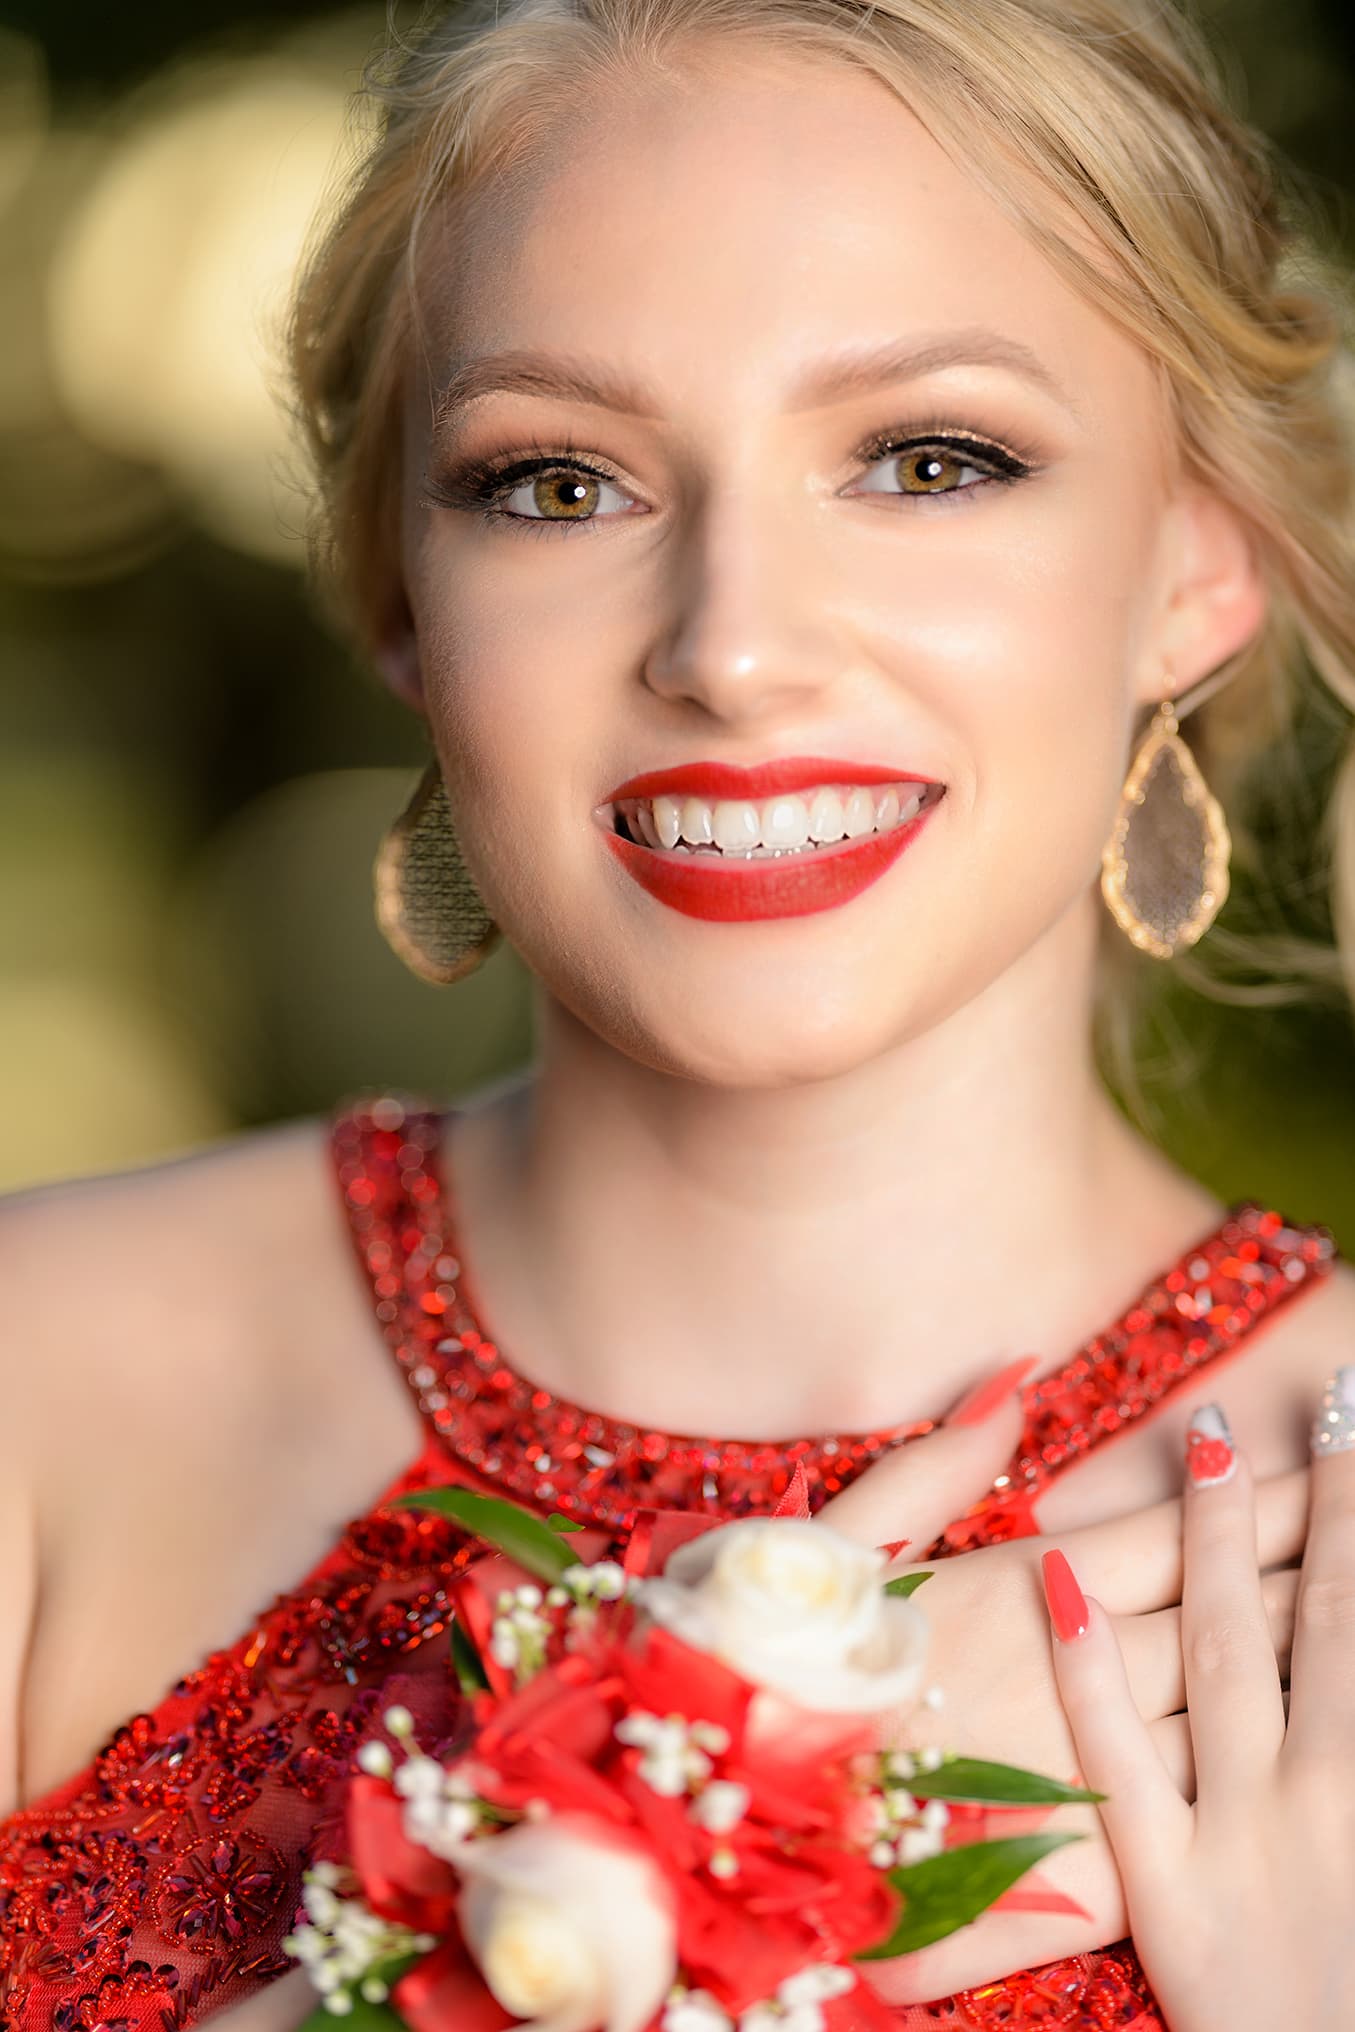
(860, 814)
(775, 825)
(668, 820)
(825, 817)
(785, 822)
(696, 822)
(737, 826)
(645, 819)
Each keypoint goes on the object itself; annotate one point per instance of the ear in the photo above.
(1215, 596)
(396, 652)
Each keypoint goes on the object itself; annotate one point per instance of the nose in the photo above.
(751, 638)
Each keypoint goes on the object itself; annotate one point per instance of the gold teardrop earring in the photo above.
(1164, 869)
(427, 906)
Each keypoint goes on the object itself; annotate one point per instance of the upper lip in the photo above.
(762, 779)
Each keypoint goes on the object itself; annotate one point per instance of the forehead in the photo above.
(712, 231)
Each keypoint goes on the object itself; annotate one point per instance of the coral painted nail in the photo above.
(1067, 1603)
(1210, 1453)
(990, 1395)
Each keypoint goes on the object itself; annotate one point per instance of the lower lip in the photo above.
(736, 891)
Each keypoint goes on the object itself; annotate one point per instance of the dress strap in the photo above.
(1198, 1312)
(385, 1149)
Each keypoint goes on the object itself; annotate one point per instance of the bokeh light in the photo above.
(169, 288)
(194, 774)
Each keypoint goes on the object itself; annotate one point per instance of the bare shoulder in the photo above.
(122, 1292)
(197, 1399)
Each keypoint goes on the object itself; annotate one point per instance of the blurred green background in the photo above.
(194, 774)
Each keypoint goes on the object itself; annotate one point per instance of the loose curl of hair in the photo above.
(1196, 244)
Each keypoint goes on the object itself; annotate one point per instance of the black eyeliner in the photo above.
(479, 483)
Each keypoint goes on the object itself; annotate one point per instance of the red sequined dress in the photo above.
(155, 1887)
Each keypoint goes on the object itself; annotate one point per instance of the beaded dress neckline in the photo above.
(541, 1447)
(155, 1887)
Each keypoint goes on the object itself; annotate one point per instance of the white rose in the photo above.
(796, 1608)
(572, 1929)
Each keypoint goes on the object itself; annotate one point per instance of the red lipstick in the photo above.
(766, 779)
(740, 889)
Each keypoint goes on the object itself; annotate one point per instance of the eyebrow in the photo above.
(855, 372)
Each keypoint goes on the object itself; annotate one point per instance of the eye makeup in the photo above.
(480, 484)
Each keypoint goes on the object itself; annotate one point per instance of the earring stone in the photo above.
(427, 905)
(1164, 869)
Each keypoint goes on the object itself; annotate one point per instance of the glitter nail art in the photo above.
(1334, 1425)
(1210, 1453)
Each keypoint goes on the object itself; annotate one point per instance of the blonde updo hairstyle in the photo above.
(1113, 110)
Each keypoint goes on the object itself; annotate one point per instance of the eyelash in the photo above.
(480, 484)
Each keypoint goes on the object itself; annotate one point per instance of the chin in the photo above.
(745, 1043)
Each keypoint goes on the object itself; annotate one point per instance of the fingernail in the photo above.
(990, 1395)
(1066, 1601)
(1210, 1453)
(1334, 1425)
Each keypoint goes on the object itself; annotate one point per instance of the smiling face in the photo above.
(960, 569)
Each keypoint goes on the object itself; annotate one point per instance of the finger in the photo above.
(1323, 1680)
(1233, 1692)
(1133, 1563)
(1143, 1813)
(918, 1488)
(1152, 1645)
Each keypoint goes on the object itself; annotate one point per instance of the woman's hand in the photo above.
(990, 1652)
(1242, 1903)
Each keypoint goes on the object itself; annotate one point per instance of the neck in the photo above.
(842, 1255)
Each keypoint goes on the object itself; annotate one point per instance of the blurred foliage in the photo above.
(193, 775)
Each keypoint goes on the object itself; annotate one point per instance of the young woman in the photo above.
(788, 453)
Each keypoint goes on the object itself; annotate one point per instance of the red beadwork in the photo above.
(156, 1886)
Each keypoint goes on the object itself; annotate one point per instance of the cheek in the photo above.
(1023, 644)
(519, 723)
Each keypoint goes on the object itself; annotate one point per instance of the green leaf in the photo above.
(369, 2017)
(948, 1891)
(995, 1785)
(906, 1583)
(559, 1523)
(525, 1537)
(363, 2017)
(471, 1676)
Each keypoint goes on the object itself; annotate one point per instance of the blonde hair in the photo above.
(1113, 109)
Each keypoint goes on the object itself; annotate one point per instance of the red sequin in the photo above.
(156, 1886)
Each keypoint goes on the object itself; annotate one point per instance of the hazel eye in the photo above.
(560, 494)
(929, 469)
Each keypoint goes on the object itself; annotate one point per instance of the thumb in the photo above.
(918, 1488)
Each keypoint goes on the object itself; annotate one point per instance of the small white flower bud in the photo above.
(376, 1760)
(399, 1721)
